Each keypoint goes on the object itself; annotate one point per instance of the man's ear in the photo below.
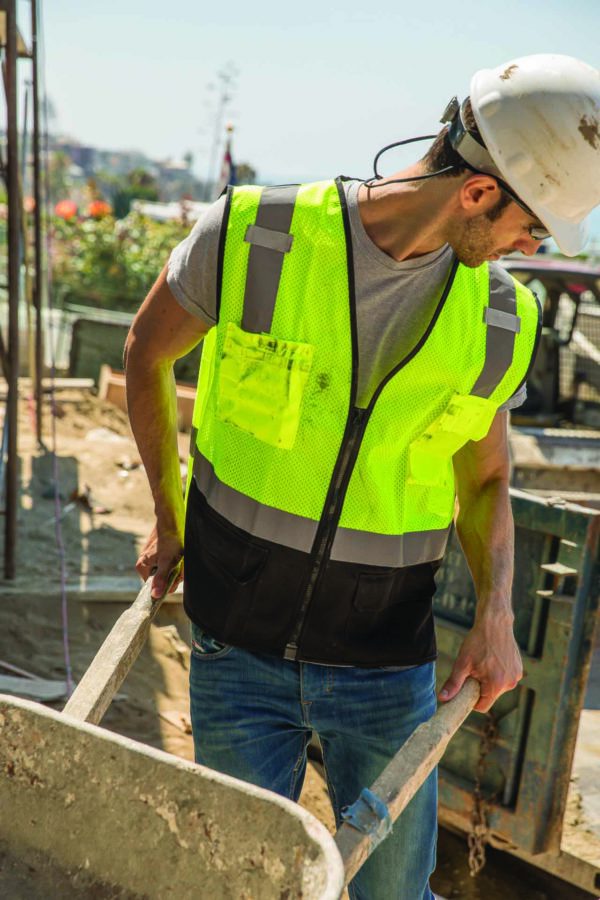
(478, 194)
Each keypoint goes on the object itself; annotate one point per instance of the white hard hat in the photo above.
(539, 117)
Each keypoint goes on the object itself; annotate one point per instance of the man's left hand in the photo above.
(490, 654)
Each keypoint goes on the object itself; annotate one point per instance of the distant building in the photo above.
(174, 176)
(188, 210)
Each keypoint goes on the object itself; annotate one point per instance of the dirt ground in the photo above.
(102, 533)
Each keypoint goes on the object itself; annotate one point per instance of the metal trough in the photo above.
(88, 813)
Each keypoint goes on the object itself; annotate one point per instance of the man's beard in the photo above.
(474, 243)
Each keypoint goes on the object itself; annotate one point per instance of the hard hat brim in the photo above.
(571, 237)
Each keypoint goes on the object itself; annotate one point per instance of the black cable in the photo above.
(371, 183)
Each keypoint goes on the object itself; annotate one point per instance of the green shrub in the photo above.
(110, 263)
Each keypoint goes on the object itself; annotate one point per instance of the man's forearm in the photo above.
(152, 407)
(486, 531)
(161, 332)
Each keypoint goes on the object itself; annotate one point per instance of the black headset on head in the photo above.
(469, 146)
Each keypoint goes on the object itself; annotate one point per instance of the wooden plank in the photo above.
(59, 384)
(558, 569)
(16, 670)
(43, 690)
(111, 387)
(93, 695)
(404, 775)
(92, 589)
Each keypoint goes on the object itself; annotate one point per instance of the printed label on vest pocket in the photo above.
(261, 385)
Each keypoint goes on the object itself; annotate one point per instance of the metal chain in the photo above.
(478, 836)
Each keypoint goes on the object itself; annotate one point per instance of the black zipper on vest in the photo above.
(349, 449)
(355, 429)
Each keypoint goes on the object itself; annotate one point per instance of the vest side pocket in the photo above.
(261, 384)
(223, 567)
(465, 418)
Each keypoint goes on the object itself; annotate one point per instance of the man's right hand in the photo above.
(162, 553)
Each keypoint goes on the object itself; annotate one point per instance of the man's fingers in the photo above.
(453, 684)
(490, 691)
(145, 564)
(164, 574)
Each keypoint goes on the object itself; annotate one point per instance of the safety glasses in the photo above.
(537, 231)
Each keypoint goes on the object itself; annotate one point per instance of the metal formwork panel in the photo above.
(555, 597)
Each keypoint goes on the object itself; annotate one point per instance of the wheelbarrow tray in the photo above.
(110, 817)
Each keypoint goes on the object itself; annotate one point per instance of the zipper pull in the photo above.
(291, 651)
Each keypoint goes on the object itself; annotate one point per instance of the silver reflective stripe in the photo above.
(298, 532)
(500, 340)
(275, 211)
(251, 516)
(271, 240)
(394, 550)
(500, 319)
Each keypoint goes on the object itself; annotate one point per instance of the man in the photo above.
(361, 352)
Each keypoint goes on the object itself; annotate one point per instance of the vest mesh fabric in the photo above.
(449, 362)
(314, 283)
(313, 308)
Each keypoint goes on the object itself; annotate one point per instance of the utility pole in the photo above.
(226, 84)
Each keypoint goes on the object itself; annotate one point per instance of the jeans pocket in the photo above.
(204, 646)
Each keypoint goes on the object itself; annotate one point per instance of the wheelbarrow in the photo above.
(89, 813)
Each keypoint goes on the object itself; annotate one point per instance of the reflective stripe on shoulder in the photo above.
(269, 241)
(503, 324)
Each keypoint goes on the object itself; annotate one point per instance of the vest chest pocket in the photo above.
(466, 418)
(261, 384)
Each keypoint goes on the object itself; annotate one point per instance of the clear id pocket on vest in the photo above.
(261, 383)
(466, 418)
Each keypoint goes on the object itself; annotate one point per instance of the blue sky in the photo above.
(321, 86)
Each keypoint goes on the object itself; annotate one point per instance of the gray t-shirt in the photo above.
(395, 301)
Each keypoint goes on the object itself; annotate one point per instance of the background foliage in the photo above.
(111, 263)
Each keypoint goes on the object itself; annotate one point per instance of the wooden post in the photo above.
(37, 225)
(14, 238)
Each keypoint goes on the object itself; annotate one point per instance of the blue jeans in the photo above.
(253, 716)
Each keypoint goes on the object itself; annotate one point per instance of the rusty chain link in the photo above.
(478, 836)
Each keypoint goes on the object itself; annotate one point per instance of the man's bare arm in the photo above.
(485, 527)
(161, 332)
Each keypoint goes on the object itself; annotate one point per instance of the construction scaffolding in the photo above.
(14, 170)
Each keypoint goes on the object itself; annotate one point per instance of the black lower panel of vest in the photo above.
(247, 592)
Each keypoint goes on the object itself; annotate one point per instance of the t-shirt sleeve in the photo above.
(517, 399)
(192, 267)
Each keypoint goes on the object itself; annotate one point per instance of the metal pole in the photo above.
(14, 238)
(37, 225)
